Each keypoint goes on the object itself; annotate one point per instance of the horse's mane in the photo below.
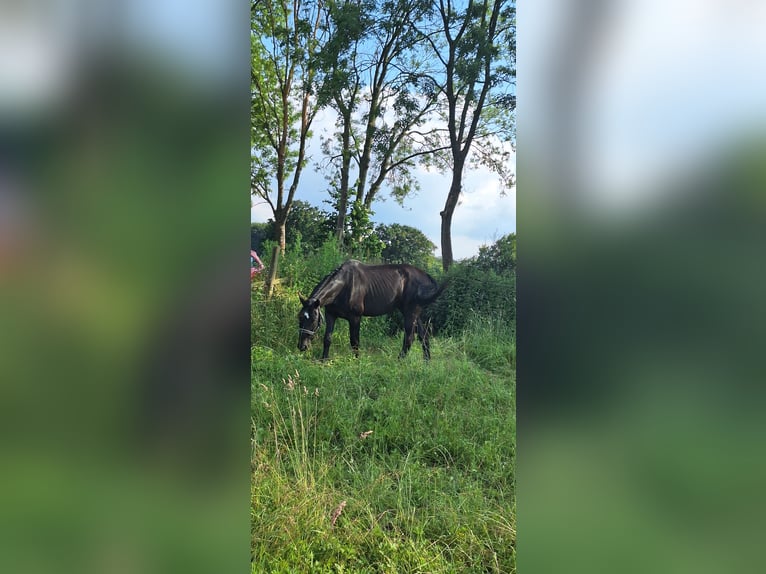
(327, 278)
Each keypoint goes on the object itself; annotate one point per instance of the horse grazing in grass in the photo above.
(355, 290)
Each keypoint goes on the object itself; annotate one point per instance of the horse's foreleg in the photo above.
(328, 334)
(423, 336)
(353, 333)
(409, 333)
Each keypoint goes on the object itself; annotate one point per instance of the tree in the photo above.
(372, 82)
(285, 36)
(314, 225)
(405, 244)
(341, 82)
(260, 232)
(474, 46)
(499, 257)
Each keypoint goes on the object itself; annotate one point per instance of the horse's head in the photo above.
(309, 320)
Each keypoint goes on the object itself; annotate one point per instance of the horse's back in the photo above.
(379, 289)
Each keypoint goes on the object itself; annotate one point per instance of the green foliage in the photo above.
(364, 243)
(272, 319)
(499, 257)
(480, 289)
(405, 244)
(305, 223)
(270, 62)
(313, 225)
(473, 48)
(490, 343)
(473, 293)
(283, 42)
(302, 267)
(370, 73)
(260, 232)
(430, 489)
(347, 25)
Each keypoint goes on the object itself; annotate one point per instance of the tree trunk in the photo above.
(369, 134)
(345, 169)
(272, 277)
(280, 220)
(449, 209)
(340, 222)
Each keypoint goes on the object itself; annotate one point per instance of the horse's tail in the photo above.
(429, 294)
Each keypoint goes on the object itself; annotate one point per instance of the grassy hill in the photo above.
(375, 464)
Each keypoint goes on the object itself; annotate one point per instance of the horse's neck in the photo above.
(328, 291)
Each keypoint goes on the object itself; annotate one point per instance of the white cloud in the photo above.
(260, 211)
(482, 209)
(464, 246)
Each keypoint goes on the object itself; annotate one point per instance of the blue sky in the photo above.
(672, 86)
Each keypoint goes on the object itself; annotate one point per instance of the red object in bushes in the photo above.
(255, 264)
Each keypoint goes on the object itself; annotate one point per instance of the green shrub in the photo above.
(499, 257)
(405, 244)
(302, 267)
(473, 293)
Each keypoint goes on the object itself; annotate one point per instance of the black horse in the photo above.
(355, 290)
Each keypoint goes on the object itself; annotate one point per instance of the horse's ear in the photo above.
(302, 298)
(315, 303)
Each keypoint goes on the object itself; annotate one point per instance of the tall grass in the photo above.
(375, 464)
(490, 342)
(300, 521)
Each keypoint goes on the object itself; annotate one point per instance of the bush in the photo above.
(499, 257)
(311, 225)
(473, 293)
(259, 233)
(405, 244)
(302, 267)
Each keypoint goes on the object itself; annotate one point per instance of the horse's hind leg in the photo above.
(423, 336)
(410, 321)
(353, 333)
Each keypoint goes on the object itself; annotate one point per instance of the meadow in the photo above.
(376, 464)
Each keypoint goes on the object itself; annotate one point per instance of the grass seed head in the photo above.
(337, 512)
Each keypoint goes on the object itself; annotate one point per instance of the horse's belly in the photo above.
(375, 312)
(375, 309)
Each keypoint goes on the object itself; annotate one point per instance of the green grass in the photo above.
(430, 489)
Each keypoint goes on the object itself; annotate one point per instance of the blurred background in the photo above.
(124, 291)
(124, 363)
(641, 282)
